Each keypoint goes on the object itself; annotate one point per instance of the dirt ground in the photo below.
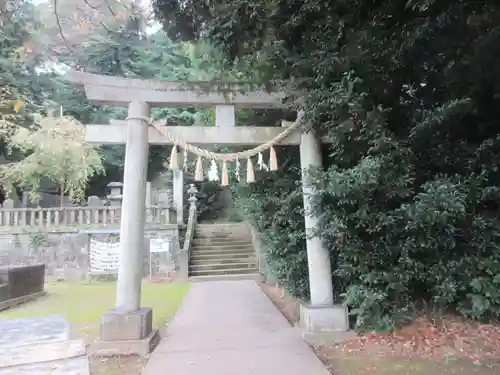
(450, 347)
(126, 365)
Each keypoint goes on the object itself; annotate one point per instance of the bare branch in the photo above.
(90, 5)
(60, 26)
(110, 9)
(98, 20)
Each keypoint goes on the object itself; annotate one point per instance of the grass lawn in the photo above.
(83, 304)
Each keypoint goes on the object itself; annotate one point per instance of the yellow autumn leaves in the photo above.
(18, 106)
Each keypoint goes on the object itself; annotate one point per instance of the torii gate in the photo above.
(321, 315)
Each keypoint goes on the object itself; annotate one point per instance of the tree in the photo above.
(69, 24)
(409, 90)
(22, 89)
(19, 59)
(55, 151)
(120, 51)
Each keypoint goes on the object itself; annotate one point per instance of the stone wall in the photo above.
(66, 254)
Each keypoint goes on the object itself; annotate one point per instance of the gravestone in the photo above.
(94, 201)
(8, 203)
(40, 346)
(165, 198)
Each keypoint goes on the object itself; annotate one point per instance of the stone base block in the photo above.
(326, 339)
(127, 347)
(323, 319)
(324, 325)
(120, 326)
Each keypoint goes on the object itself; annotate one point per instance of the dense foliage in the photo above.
(22, 89)
(409, 91)
(56, 153)
(104, 41)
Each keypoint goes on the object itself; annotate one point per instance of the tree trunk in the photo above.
(61, 195)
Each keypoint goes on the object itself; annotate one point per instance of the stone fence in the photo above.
(14, 220)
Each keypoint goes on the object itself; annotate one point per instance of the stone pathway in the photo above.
(228, 328)
(40, 346)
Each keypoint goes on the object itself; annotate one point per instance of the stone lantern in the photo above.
(115, 195)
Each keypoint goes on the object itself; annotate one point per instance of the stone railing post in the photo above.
(192, 191)
(192, 218)
(178, 192)
(8, 205)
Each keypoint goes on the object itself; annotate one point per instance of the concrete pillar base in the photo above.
(125, 347)
(323, 319)
(324, 325)
(126, 333)
(122, 326)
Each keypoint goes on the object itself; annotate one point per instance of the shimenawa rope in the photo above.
(221, 156)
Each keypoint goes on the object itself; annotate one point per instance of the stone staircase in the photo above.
(222, 250)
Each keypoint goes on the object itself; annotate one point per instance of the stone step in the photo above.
(41, 352)
(222, 266)
(243, 276)
(223, 226)
(41, 346)
(243, 260)
(226, 255)
(221, 252)
(223, 246)
(231, 271)
(222, 230)
(219, 238)
(227, 246)
(210, 241)
(70, 366)
(210, 233)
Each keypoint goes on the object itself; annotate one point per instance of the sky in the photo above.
(144, 3)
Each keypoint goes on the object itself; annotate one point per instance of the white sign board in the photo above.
(104, 257)
(159, 245)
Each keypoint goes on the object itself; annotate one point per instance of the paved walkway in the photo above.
(231, 328)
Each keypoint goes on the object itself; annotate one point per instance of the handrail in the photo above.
(188, 238)
(189, 235)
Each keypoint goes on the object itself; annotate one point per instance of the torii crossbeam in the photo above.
(140, 95)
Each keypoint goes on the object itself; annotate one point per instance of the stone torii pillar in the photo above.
(128, 294)
(321, 314)
(129, 323)
(318, 258)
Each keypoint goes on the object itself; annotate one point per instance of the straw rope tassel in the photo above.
(174, 159)
(273, 160)
(198, 173)
(250, 171)
(219, 156)
(185, 162)
(225, 174)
